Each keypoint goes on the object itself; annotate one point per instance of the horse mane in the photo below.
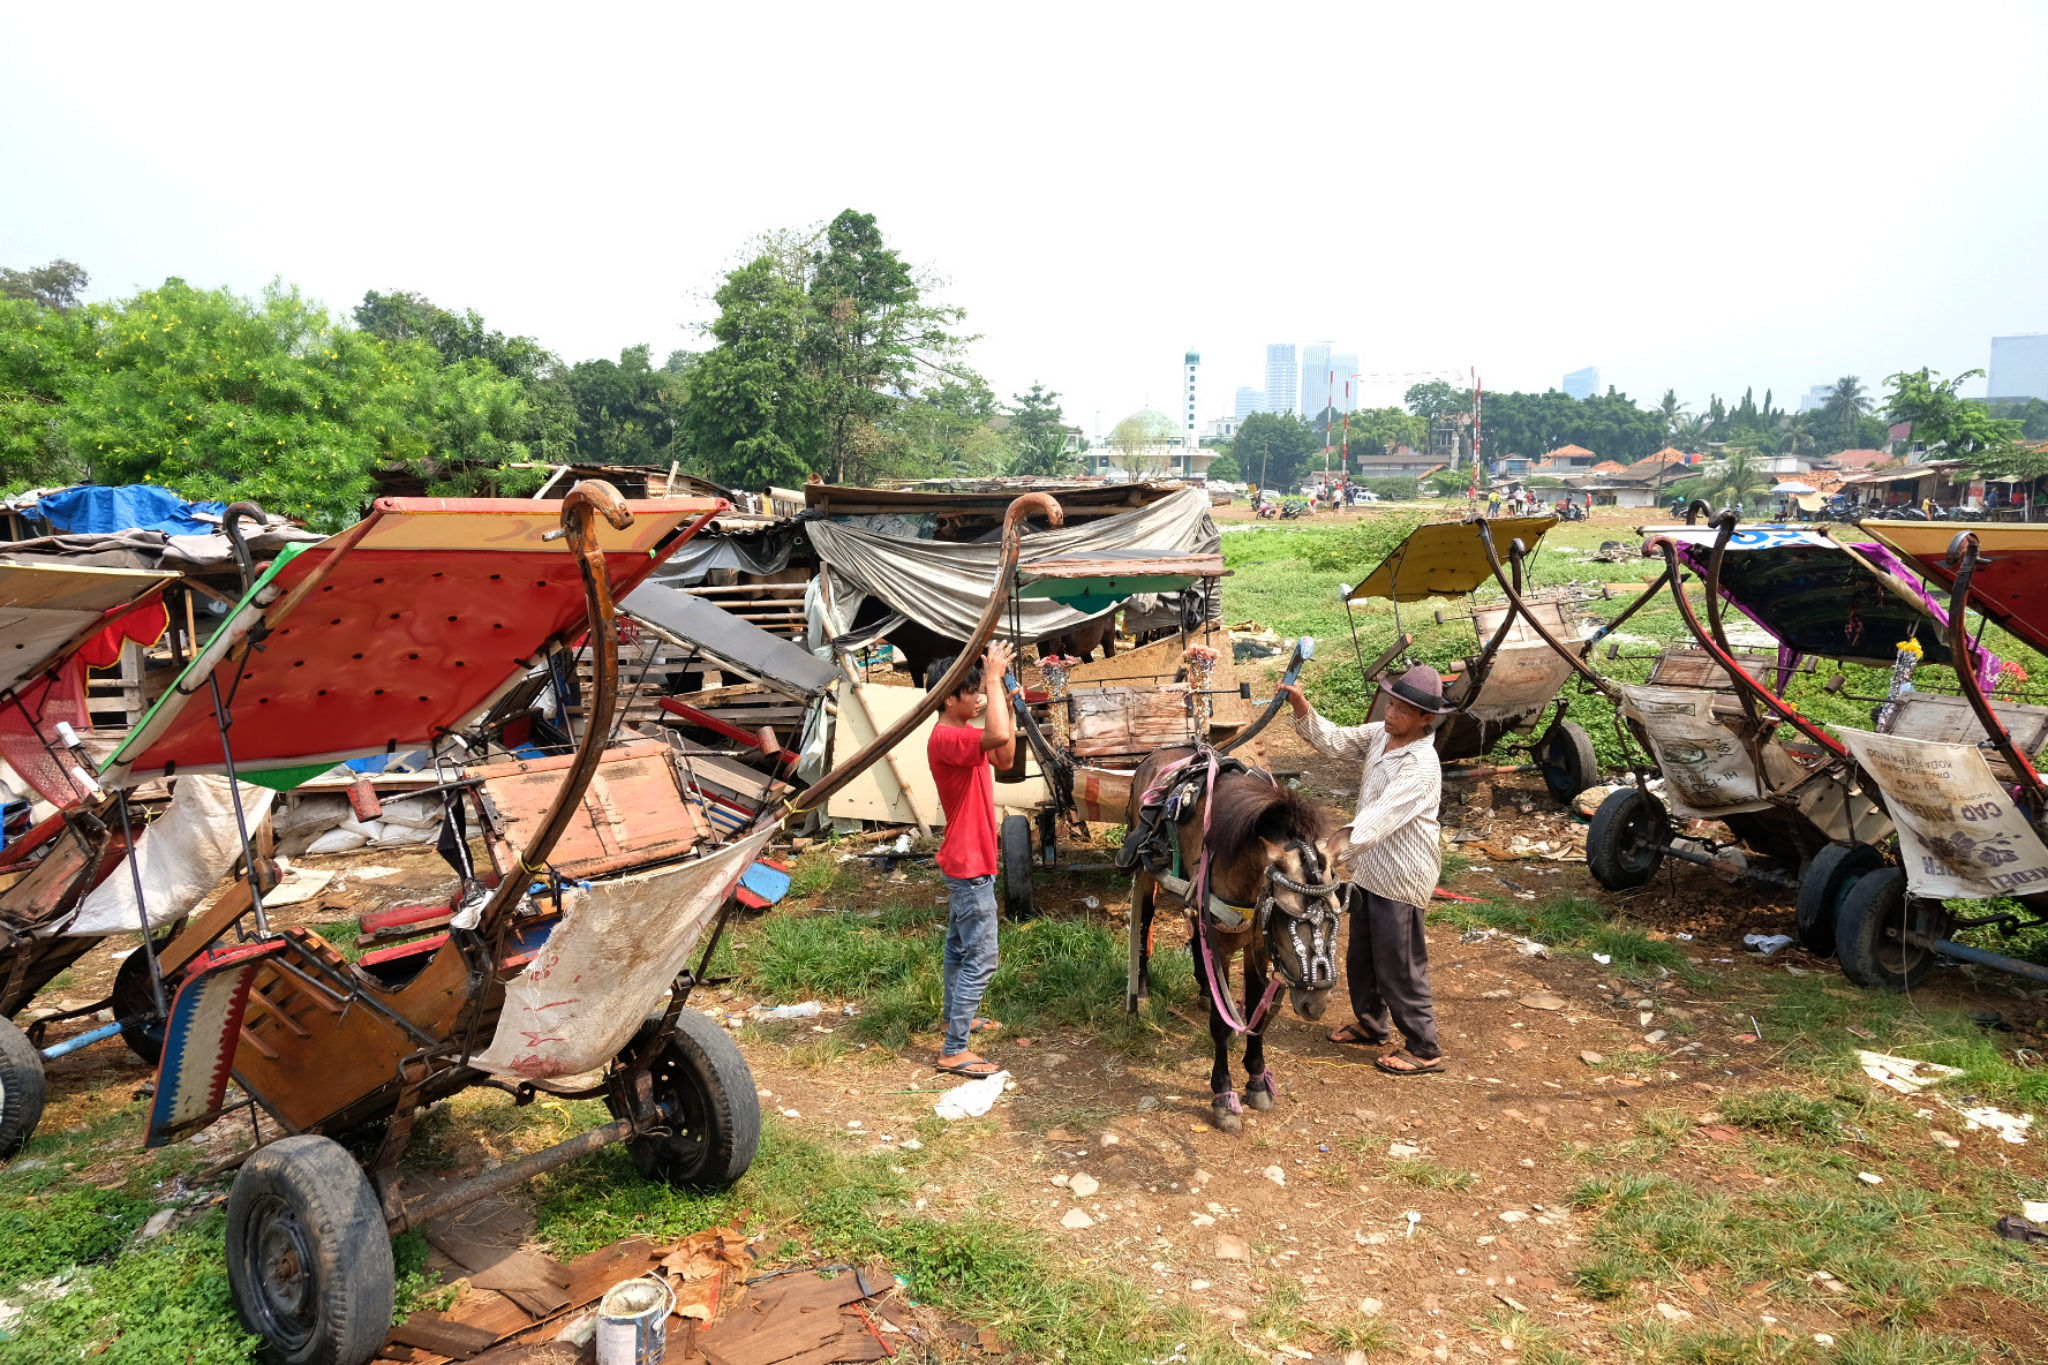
(1248, 807)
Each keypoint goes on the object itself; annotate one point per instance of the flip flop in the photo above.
(981, 1025)
(975, 1070)
(1354, 1037)
(1418, 1066)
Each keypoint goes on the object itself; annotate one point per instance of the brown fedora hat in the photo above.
(1422, 688)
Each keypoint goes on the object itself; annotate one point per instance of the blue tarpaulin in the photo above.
(96, 509)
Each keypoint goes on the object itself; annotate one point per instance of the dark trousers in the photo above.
(1386, 969)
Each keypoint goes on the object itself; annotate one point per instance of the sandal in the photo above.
(977, 1069)
(1416, 1066)
(981, 1025)
(1351, 1035)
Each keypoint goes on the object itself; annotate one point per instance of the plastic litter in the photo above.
(971, 1099)
(1907, 1075)
(809, 1009)
(1767, 943)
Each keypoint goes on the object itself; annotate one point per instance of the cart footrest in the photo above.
(201, 1036)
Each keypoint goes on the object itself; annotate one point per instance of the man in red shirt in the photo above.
(960, 754)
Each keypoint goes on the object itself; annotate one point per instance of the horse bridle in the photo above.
(1317, 914)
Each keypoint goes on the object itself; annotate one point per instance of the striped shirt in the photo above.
(1394, 847)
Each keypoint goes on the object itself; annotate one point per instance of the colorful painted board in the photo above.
(47, 608)
(2011, 582)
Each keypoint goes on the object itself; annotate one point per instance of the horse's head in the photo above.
(1298, 913)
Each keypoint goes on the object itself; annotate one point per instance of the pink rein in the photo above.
(1217, 998)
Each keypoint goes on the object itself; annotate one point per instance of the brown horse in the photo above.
(1268, 899)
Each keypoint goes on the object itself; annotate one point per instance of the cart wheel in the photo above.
(309, 1260)
(703, 1087)
(1565, 754)
(1015, 850)
(135, 1003)
(1624, 847)
(1868, 955)
(21, 1088)
(1823, 883)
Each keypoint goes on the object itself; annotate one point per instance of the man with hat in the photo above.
(1392, 858)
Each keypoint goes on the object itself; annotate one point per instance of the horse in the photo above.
(1268, 898)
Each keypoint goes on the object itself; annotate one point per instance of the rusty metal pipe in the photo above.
(451, 1197)
(1656, 585)
(815, 796)
(589, 499)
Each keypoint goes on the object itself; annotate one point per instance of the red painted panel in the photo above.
(395, 646)
(2010, 586)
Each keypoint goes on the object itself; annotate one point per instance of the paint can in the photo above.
(632, 1322)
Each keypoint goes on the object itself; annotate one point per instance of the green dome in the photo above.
(1147, 425)
(1194, 357)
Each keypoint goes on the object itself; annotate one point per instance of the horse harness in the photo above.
(1169, 803)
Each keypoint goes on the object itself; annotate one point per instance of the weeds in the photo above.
(1431, 1175)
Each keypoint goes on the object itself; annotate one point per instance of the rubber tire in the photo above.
(1013, 848)
(1822, 884)
(702, 1079)
(132, 996)
(1867, 958)
(1565, 756)
(22, 1089)
(1614, 850)
(340, 1236)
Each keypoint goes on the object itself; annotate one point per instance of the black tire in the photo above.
(703, 1087)
(1869, 958)
(1624, 847)
(134, 1003)
(1014, 850)
(1565, 756)
(21, 1088)
(309, 1260)
(1822, 884)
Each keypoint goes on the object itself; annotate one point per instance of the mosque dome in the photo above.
(1194, 357)
(1148, 425)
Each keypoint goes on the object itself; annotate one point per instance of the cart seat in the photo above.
(1689, 667)
(1951, 720)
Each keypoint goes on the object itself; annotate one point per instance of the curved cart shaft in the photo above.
(1962, 559)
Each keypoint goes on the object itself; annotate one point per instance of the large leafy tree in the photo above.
(60, 284)
(1038, 434)
(947, 428)
(1437, 400)
(1961, 429)
(752, 418)
(1379, 431)
(220, 396)
(1737, 477)
(551, 428)
(1277, 447)
(627, 411)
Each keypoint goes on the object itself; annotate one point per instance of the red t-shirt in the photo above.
(967, 790)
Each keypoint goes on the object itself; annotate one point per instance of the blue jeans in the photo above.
(970, 954)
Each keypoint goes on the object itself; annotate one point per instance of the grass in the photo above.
(1055, 973)
(1430, 1175)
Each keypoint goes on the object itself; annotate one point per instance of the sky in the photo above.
(1699, 197)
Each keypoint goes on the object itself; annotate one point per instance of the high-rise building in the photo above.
(1343, 393)
(1192, 363)
(1249, 401)
(1315, 380)
(1583, 383)
(1816, 398)
(1281, 377)
(2019, 366)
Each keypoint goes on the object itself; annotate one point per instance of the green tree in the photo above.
(752, 417)
(1737, 477)
(1224, 467)
(1038, 434)
(1671, 410)
(44, 354)
(1277, 447)
(550, 430)
(59, 284)
(628, 412)
(1961, 429)
(223, 397)
(1846, 401)
(946, 429)
(1380, 431)
(1436, 400)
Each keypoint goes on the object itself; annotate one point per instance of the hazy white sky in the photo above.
(1697, 196)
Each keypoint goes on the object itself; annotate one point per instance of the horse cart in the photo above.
(1504, 689)
(1802, 815)
(1959, 775)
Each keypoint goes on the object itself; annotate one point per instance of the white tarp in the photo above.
(182, 857)
(1960, 834)
(1707, 771)
(1522, 681)
(609, 961)
(945, 586)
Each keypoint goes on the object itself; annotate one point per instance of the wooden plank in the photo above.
(863, 798)
(442, 1336)
(1130, 720)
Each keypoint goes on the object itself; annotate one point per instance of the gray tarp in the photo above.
(945, 586)
(690, 565)
(740, 645)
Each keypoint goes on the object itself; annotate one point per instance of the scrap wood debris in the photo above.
(522, 1307)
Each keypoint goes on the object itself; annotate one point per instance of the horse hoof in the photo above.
(1259, 1099)
(1225, 1120)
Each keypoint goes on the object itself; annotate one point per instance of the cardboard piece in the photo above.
(873, 795)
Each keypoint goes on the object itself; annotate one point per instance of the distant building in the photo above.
(1220, 429)
(1148, 445)
(1583, 383)
(1315, 380)
(1282, 377)
(1249, 401)
(2019, 367)
(1189, 366)
(1816, 398)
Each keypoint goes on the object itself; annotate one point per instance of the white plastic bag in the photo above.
(971, 1099)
